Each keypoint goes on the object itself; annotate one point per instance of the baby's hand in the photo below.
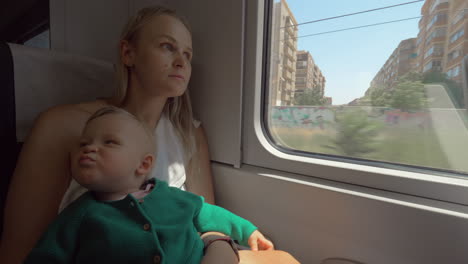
(258, 242)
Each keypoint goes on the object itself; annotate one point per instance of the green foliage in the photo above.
(411, 77)
(408, 93)
(356, 135)
(309, 97)
(379, 97)
(408, 96)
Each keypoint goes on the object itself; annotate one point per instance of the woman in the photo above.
(154, 70)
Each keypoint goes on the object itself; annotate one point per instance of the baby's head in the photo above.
(115, 152)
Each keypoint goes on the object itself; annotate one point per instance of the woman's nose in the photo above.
(180, 61)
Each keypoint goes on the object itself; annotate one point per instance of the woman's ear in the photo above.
(145, 165)
(126, 53)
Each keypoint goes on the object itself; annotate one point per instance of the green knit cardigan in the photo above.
(161, 228)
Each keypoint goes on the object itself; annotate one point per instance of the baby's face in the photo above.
(109, 153)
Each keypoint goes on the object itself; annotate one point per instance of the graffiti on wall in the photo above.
(304, 117)
(320, 116)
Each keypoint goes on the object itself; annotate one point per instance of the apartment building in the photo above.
(456, 45)
(308, 74)
(440, 45)
(432, 35)
(283, 55)
(402, 61)
(442, 42)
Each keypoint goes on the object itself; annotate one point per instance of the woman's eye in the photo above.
(168, 46)
(188, 56)
(83, 144)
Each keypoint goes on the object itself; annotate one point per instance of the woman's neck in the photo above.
(148, 110)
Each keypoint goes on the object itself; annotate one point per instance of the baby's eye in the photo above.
(83, 144)
(110, 142)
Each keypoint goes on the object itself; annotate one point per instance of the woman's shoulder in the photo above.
(70, 112)
(65, 110)
(66, 119)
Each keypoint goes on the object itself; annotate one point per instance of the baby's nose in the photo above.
(90, 148)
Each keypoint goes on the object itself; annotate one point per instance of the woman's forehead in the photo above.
(165, 26)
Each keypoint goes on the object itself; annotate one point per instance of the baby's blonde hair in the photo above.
(108, 110)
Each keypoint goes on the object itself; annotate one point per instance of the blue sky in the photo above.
(350, 59)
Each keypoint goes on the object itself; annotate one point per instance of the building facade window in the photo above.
(437, 33)
(455, 71)
(435, 19)
(460, 16)
(435, 50)
(455, 36)
(454, 54)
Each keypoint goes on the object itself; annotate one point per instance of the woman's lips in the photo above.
(177, 76)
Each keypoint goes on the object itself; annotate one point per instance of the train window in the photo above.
(367, 82)
(41, 40)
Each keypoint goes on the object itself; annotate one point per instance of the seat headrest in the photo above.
(45, 78)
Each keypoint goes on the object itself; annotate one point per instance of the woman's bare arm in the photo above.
(199, 177)
(38, 184)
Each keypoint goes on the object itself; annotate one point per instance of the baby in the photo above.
(125, 218)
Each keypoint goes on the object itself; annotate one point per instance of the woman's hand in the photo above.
(258, 242)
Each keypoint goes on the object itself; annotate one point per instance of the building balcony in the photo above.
(289, 53)
(291, 29)
(435, 55)
(441, 22)
(453, 62)
(461, 21)
(436, 39)
(291, 43)
(289, 65)
(441, 6)
(462, 39)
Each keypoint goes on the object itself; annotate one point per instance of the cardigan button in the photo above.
(146, 227)
(157, 259)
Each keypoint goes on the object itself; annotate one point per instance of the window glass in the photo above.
(457, 35)
(41, 40)
(369, 81)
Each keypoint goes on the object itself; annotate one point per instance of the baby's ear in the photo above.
(146, 164)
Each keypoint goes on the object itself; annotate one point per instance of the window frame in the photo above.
(258, 150)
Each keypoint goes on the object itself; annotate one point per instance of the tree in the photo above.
(379, 97)
(356, 134)
(309, 97)
(408, 95)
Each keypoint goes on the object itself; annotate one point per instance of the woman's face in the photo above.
(161, 56)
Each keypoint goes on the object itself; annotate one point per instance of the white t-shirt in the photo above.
(169, 166)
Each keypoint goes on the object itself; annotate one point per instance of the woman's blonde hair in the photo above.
(177, 109)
